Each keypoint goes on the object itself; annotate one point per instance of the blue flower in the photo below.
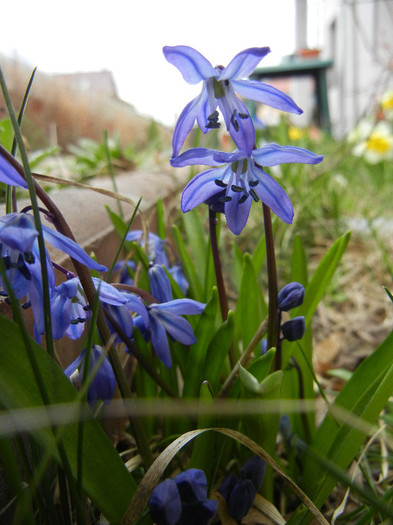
(165, 317)
(239, 179)
(119, 304)
(103, 384)
(69, 310)
(182, 500)
(20, 253)
(220, 86)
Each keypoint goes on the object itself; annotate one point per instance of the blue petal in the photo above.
(273, 154)
(71, 248)
(186, 121)
(238, 121)
(205, 157)
(201, 188)
(75, 331)
(104, 382)
(237, 214)
(159, 341)
(74, 365)
(135, 304)
(160, 286)
(165, 505)
(123, 318)
(181, 307)
(244, 63)
(9, 175)
(17, 231)
(254, 90)
(176, 326)
(192, 65)
(60, 314)
(192, 486)
(271, 194)
(109, 294)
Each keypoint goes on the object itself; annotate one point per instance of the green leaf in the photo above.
(217, 352)
(161, 219)
(197, 355)
(6, 133)
(195, 290)
(203, 452)
(106, 480)
(237, 265)
(197, 240)
(299, 271)
(118, 222)
(321, 278)
(249, 311)
(338, 439)
(270, 384)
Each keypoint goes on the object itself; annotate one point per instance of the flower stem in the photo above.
(272, 334)
(219, 277)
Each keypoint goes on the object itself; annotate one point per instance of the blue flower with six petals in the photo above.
(239, 179)
(220, 86)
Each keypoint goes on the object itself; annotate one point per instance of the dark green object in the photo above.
(297, 68)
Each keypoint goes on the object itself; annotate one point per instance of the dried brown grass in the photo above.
(57, 113)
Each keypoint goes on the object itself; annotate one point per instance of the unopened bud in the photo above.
(294, 329)
(291, 296)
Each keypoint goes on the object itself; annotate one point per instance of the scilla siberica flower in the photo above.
(220, 86)
(21, 257)
(103, 384)
(239, 179)
(165, 316)
(70, 312)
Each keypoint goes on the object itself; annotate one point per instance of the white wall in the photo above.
(358, 36)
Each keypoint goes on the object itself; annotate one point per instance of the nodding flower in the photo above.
(220, 88)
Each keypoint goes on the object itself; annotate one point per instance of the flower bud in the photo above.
(160, 285)
(294, 329)
(254, 470)
(291, 296)
(242, 498)
(227, 486)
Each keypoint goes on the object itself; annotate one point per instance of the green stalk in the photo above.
(222, 294)
(272, 334)
(26, 174)
(11, 193)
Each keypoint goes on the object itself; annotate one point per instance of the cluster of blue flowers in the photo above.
(238, 178)
(70, 312)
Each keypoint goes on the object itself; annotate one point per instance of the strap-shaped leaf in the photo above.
(106, 480)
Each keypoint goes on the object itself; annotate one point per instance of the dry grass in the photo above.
(59, 114)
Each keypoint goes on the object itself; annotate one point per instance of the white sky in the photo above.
(127, 36)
